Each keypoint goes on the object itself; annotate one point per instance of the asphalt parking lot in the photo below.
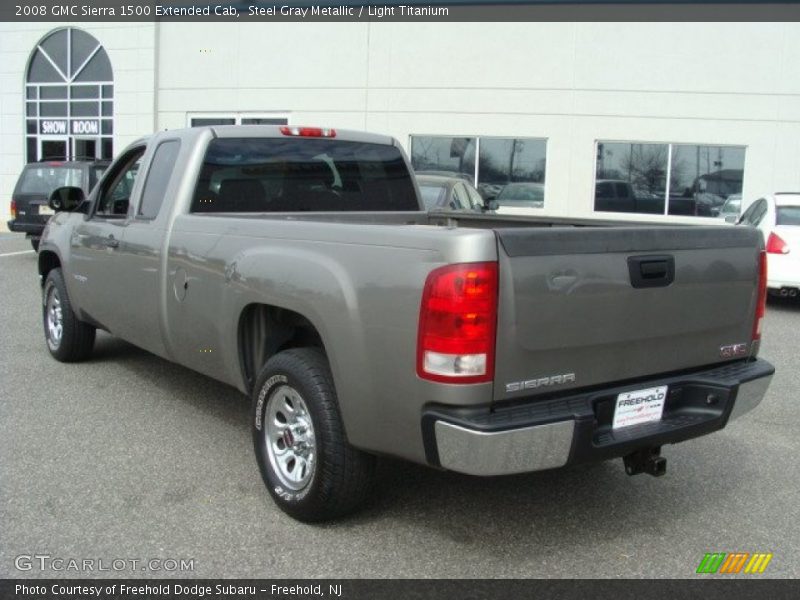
(131, 457)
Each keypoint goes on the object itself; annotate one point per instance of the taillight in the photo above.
(13, 209)
(776, 245)
(308, 131)
(761, 303)
(457, 323)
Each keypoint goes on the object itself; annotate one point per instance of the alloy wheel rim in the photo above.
(55, 318)
(289, 438)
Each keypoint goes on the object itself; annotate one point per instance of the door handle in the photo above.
(111, 242)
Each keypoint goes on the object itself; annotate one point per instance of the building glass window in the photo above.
(510, 171)
(660, 178)
(211, 119)
(448, 156)
(708, 175)
(68, 73)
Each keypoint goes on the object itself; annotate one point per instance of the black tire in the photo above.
(342, 475)
(35, 244)
(77, 338)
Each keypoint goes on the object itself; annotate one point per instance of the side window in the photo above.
(95, 173)
(158, 176)
(759, 214)
(747, 217)
(755, 213)
(114, 198)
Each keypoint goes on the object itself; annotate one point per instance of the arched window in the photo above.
(69, 98)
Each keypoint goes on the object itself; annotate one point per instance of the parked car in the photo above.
(29, 201)
(299, 265)
(521, 195)
(730, 210)
(448, 193)
(778, 218)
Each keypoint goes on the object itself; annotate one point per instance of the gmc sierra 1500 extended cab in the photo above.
(297, 265)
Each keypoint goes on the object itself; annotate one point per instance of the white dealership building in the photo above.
(588, 114)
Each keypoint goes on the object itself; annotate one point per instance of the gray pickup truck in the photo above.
(297, 265)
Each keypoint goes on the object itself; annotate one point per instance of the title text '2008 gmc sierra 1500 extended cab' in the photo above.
(297, 265)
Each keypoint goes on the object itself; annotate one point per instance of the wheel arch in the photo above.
(48, 260)
(264, 330)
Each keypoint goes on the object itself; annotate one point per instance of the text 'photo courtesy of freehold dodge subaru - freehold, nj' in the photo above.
(340, 306)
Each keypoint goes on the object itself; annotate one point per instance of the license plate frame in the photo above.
(636, 407)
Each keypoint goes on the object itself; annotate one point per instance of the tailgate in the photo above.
(32, 208)
(584, 306)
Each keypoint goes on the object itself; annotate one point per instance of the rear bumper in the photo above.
(538, 434)
(34, 229)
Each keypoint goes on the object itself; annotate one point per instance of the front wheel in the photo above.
(68, 338)
(309, 468)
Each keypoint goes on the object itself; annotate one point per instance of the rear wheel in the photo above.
(311, 471)
(68, 338)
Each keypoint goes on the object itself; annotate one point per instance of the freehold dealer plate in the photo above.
(639, 406)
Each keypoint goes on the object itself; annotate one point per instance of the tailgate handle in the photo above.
(651, 271)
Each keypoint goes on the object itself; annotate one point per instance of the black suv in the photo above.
(29, 203)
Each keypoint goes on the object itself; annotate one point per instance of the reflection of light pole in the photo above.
(516, 146)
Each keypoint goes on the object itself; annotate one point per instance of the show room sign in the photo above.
(59, 127)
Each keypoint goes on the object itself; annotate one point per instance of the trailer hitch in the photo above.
(647, 460)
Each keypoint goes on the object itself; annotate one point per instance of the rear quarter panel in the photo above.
(360, 285)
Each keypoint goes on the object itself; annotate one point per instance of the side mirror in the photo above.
(66, 198)
(732, 219)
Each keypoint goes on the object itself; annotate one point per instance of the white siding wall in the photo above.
(573, 83)
(131, 49)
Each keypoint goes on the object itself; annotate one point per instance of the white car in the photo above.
(778, 218)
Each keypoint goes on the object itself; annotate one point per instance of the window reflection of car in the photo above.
(618, 195)
(521, 195)
(448, 193)
(615, 195)
(462, 176)
(730, 210)
(490, 191)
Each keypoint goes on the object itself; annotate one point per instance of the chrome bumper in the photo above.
(580, 435)
(750, 395)
(504, 452)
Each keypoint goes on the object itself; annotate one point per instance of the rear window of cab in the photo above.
(289, 175)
